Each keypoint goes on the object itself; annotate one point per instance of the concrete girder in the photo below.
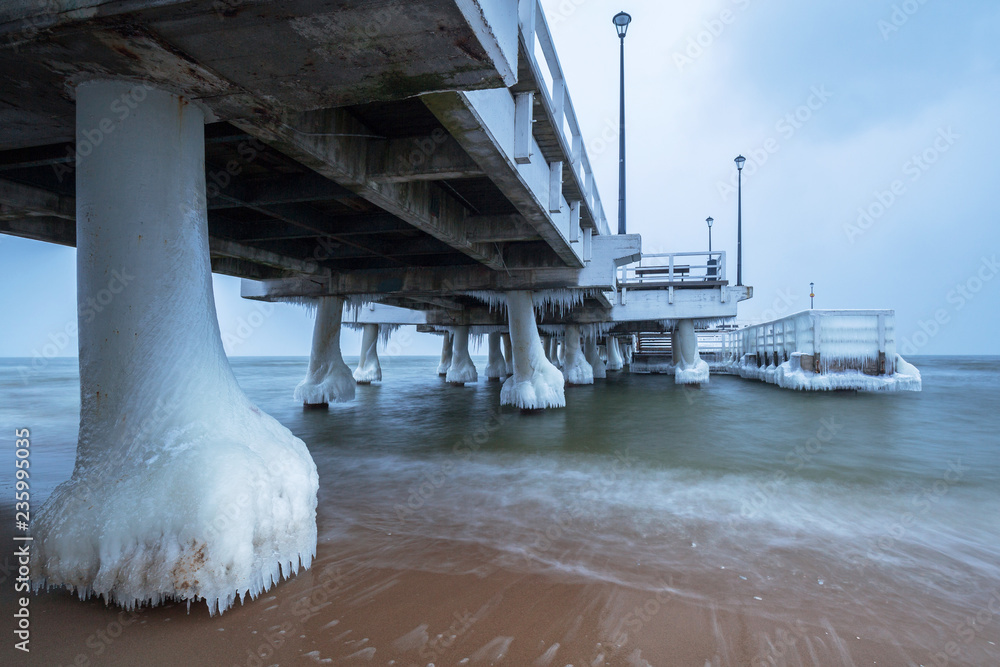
(335, 144)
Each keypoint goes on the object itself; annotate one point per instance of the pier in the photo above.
(405, 163)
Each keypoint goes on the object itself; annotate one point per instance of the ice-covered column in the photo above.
(561, 353)
(329, 379)
(462, 369)
(369, 369)
(689, 368)
(446, 352)
(182, 488)
(627, 352)
(546, 340)
(576, 368)
(554, 351)
(536, 383)
(508, 353)
(496, 368)
(594, 357)
(614, 355)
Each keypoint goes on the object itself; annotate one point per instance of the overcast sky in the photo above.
(872, 143)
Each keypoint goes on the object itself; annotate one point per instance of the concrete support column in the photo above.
(369, 369)
(536, 383)
(446, 351)
(689, 368)
(183, 489)
(462, 370)
(554, 351)
(577, 370)
(594, 357)
(496, 368)
(508, 353)
(546, 340)
(615, 362)
(329, 379)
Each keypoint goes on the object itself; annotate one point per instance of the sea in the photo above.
(883, 507)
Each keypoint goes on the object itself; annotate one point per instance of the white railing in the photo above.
(675, 268)
(559, 106)
(838, 338)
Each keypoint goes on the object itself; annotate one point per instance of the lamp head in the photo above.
(739, 162)
(621, 21)
(710, 220)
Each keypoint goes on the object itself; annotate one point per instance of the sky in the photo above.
(871, 137)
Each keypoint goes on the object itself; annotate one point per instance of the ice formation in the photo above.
(594, 357)
(369, 370)
(462, 370)
(182, 488)
(508, 353)
(496, 367)
(553, 354)
(446, 352)
(576, 369)
(614, 355)
(689, 367)
(536, 383)
(790, 375)
(329, 379)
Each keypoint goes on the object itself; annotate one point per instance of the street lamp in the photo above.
(621, 21)
(712, 264)
(739, 221)
(709, 220)
(811, 294)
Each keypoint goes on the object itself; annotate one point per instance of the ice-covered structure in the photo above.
(823, 350)
(689, 367)
(183, 489)
(369, 369)
(328, 379)
(508, 353)
(462, 370)
(615, 362)
(594, 357)
(536, 383)
(496, 366)
(576, 369)
(446, 353)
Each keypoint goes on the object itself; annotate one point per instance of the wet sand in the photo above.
(346, 611)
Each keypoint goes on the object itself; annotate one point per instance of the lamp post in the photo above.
(812, 294)
(709, 220)
(739, 221)
(621, 21)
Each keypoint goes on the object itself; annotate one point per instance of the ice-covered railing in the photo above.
(558, 106)
(830, 340)
(675, 267)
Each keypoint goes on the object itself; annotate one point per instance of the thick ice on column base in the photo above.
(689, 367)
(791, 375)
(576, 369)
(593, 357)
(496, 367)
(614, 355)
(508, 353)
(369, 369)
(182, 489)
(446, 353)
(462, 369)
(536, 383)
(329, 379)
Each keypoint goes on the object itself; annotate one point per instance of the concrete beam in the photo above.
(500, 229)
(223, 248)
(432, 158)
(335, 144)
(17, 200)
(490, 142)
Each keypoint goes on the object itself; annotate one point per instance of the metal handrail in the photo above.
(664, 268)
